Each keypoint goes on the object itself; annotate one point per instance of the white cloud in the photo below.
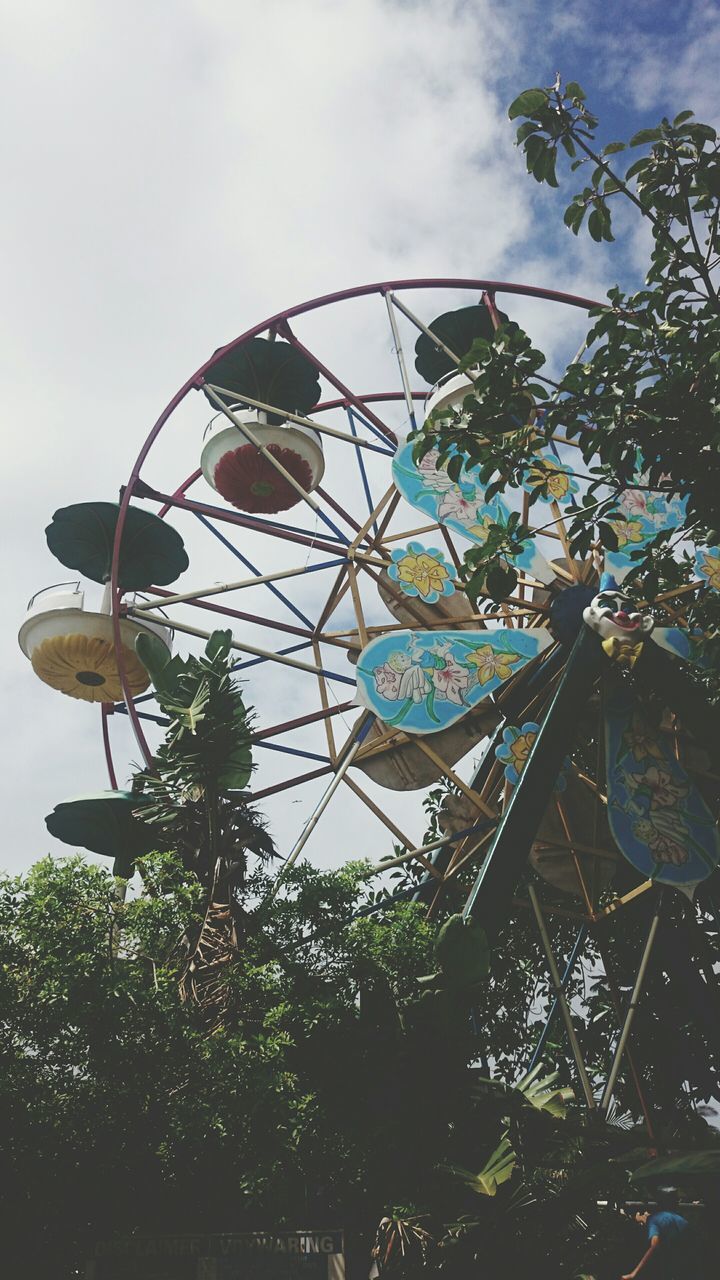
(652, 56)
(173, 174)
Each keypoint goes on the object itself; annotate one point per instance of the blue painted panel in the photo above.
(425, 681)
(462, 507)
(682, 644)
(657, 815)
(642, 515)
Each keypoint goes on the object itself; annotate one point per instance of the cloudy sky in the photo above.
(176, 171)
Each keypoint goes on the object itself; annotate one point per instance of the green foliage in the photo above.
(118, 1109)
(544, 1093)
(649, 385)
(534, 1090)
(327, 1093)
(206, 759)
(498, 1169)
(202, 701)
(461, 950)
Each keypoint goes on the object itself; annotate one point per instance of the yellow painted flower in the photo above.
(84, 667)
(423, 572)
(627, 531)
(491, 664)
(709, 567)
(551, 477)
(520, 749)
(640, 740)
(480, 531)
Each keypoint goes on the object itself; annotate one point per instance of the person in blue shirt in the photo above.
(667, 1256)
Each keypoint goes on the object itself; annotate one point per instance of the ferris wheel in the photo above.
(289, 499)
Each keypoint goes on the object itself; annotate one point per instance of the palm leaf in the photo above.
(540, 1092)
(544, 1093)
(498, 1169)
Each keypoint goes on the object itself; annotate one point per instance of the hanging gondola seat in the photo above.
(413, 611)
(404, 766)
(451, 392)
(247, 479)
(72, 649)
(575, 811)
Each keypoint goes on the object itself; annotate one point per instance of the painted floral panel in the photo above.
(553, 480)
(642, 514)
(422, 571)
(425, 681)
(514, 752)
(462, 507)
(657, 815)
(707, 566)
(683, 644)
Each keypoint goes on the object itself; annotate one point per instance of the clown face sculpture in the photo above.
(612, 614)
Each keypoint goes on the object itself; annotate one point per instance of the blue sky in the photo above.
(636, 62)
(176, 172)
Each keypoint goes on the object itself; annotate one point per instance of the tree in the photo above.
(197, 803)
(644, 397)
(335, 1092)
(122, 1114)
(340, 1076)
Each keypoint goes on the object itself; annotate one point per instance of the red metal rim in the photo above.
(278, 322)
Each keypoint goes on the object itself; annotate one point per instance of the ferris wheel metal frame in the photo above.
(345, 550)
(356, 548)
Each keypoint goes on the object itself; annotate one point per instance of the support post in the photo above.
(634, 1001)
(569, 967)
(407, 390)
(322, 805)
(562, 1001)
(494, 887)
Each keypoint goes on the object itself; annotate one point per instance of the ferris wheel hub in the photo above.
(566, 612)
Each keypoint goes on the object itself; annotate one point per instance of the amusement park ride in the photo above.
(391, 675)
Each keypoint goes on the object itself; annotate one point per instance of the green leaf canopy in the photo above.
(532, 100)
(461, 949)
(458, 330)
(274, 372)
(104, 823)
(209, 722)
(81, 537)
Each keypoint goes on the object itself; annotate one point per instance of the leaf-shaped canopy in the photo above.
(458, 330)
(81, 537)
(104, 823)
(274, 372)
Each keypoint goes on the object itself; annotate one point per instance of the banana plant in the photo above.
(194, 793)
(498, 1169)
(532, 1090)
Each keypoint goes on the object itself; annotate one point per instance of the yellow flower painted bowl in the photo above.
(72, 649)
(85, 667)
